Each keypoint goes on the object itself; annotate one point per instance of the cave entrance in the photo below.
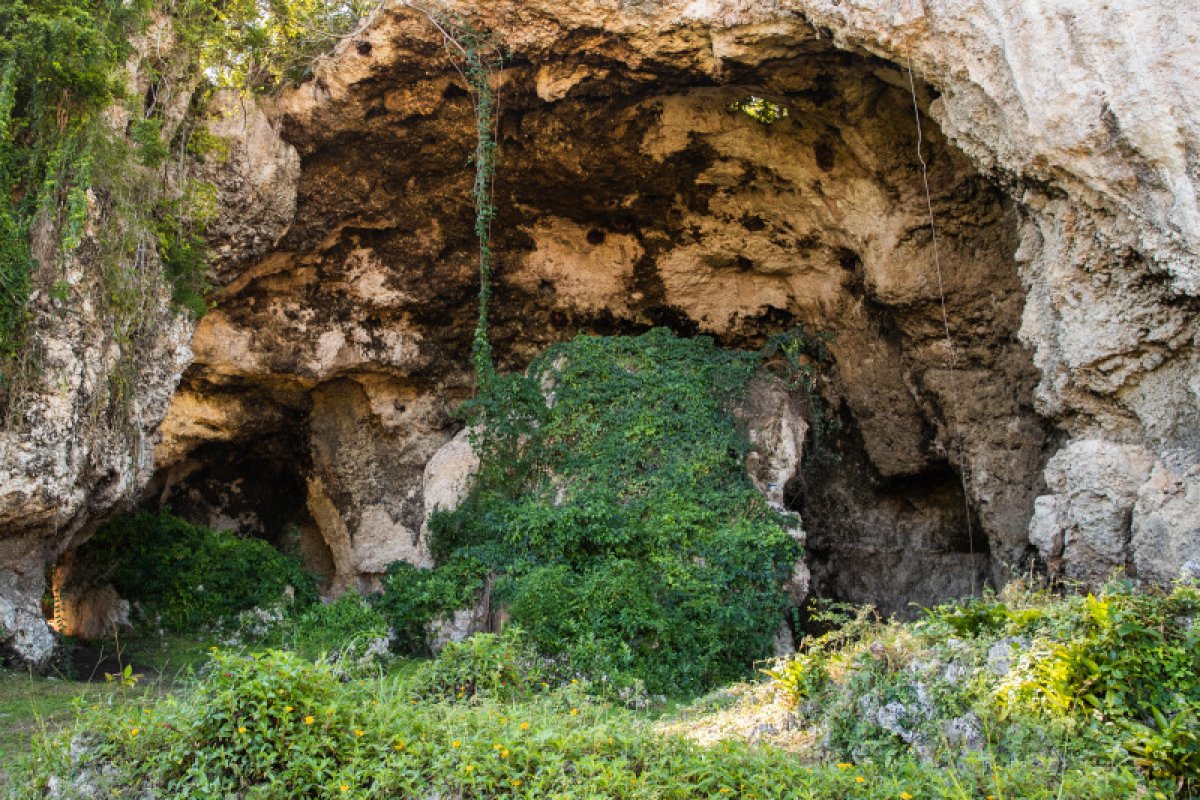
(630, 198)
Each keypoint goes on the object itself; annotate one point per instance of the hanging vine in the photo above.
(479, 60)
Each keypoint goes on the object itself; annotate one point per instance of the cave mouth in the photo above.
(628, 201)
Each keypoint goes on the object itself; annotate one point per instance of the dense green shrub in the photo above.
(187, 576)
(618, 520)
(1110, 679)
(500, 666)
(349, 622)
(413, 597)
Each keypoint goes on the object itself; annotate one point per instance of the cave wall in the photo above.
(630, 198)
(1060, 140)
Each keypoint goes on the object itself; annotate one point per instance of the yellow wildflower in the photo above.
(134, 732)
(574, 712)
(358, 732)
(398, 745)
(241, 729)
(345, 788)
(287, 708)
(524, 726)
(470, 767)
(309, 719)
(844, 765)
(859, 779)
(517, 782)
(456, 743)
(905, 796)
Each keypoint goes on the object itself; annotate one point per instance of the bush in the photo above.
(618, 520)
(501, 666)
(1107, 679)
(348, 623)
(187, 576)
(412, 598)
(277, 726)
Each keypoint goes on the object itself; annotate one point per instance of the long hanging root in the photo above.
(952, 352)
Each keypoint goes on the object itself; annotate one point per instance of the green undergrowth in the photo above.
(485, 720)
(612, 517)
(1105, 684)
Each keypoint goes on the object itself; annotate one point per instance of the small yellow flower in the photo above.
(524, 726)
(241, 729)
(905, 796)
(574, 680)
(398, 745)
(844, 765)
(135, 731)
(574, 712)
(504, 753)
(859, 779)
(309, 719)
(345, 788)
(497, 746)
(287, 708)
(517, 782)
(470, 767)
(456, 743)
(358, 732)
(725, 790)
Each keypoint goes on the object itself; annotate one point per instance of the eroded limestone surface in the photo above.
(1061, 149)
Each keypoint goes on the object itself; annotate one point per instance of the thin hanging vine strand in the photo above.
(477, 61)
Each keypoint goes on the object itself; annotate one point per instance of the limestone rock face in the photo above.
(1054, 295)
(1039, 344)
(80, 437)
(448, 477)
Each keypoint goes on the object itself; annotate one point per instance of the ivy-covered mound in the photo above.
(614, 514)
(186, 577)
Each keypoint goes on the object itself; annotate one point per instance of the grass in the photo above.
(31, 704)
(483, 721)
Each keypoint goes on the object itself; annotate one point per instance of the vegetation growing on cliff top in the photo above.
(63, 163)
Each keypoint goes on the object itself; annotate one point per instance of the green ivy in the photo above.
(62, 63)
(618, 521)
(188, 576)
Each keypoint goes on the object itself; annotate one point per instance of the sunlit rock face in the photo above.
(1050, 311)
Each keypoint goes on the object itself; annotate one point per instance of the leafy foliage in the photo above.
(502, 666)
(618, 520)
(761, 109)
(413, 597)
(187, 576)
(273, 725)
(350, 621)
(1110, 679)
(62, 64)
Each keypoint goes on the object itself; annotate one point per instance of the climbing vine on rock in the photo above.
(614, 513)
(478, 59)
(67, 165)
